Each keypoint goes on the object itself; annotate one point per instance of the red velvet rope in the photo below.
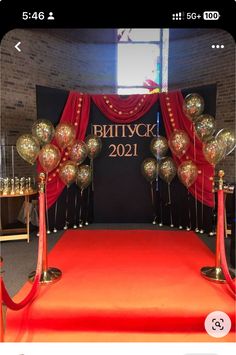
(31, 295)
(220, 225)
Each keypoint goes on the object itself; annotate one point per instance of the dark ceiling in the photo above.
(108, 35)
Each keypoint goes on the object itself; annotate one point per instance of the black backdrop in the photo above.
(121, 194)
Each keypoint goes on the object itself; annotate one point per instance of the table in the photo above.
(10, 234)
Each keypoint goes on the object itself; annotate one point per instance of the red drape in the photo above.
(76, 111)
(124, 110)
(174, 118)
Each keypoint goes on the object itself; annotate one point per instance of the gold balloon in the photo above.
(49, 157)
(149, 169)
(214, 150)
(28, 148)
(167, 169)
(94, 145)
(84, 176)
(227, 137)
(179, 142)
(43, 130)
(68, 172)
(187, 173)
(78, 152)
(205, 126)
(193, 106)
(65, 134)
(159, 146)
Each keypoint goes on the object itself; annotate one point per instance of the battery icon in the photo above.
(211, 15)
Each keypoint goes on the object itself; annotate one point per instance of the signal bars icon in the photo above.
(178, 16)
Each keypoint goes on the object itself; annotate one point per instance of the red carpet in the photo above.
(131, 285)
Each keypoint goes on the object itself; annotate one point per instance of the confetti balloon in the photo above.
(159, 146)
(44, 131)
(78, 152)
(149, 169)
(205, 127)
(179, 143)
(214, 150)
(187, 173)
(65, 134)
(28, 148)
(84, 176)
(227, 137)
(193, 106)
(167, 169)
(49, 157)
(94, 145)
(68, 172)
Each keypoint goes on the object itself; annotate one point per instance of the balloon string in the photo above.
(67, 198)
(194, 144)
(55, 212)
(169, 202)
(80, 207)
(88, 204)
(169, 199)
(75, 209)
(161, 212)
(91, 165)
(189, 212)
(179, 217)
(46, 201)
(202, 196)
(161, 208)
(196, 205)
(153, 204)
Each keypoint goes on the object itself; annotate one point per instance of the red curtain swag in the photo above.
(126, 110)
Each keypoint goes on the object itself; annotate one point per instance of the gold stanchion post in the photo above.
(215, 273)
(49, 274)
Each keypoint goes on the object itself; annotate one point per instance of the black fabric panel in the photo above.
(50, 103)
(121, 194)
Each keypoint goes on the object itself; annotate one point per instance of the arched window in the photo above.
(142, 60)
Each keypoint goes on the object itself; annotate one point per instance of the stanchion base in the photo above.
(51, 275)
(215, 274)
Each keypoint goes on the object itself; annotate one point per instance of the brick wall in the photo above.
(67, 59)
(192, 62)
(85, 60)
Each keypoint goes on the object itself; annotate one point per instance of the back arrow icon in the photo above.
(17, 46)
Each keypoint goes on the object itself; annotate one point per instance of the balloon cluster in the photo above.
(38, 145)
(215, 148)
(164, 166)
